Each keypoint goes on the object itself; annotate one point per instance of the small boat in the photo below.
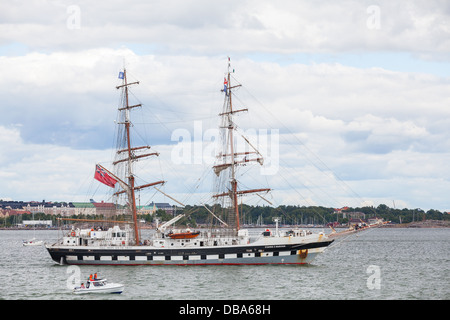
(183, 234)
(98, 286)
(32, 242)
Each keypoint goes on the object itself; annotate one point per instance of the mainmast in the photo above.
(131, 156)
(231, 159)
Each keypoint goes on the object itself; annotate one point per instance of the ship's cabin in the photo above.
(96, 236)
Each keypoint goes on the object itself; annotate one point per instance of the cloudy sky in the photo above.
(356, 93)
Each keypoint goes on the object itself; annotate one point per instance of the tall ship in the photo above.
(227, 244)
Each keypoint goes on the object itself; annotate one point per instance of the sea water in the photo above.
(384, 263)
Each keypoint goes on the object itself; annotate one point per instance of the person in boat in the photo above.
(82, 286)
(91, 277)
(95, 276)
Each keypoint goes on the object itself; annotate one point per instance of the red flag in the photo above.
(103, 177)
(225, 85)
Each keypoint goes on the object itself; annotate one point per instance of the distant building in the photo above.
(150, 209)
(86, 208)
(65, 209)
(350, 215)
(37, 223)
(356, 215)
(62, 208)
(12, 204)
(162, 206)
(8, 212)
(340, 211)
(154, 206)
(107, 209)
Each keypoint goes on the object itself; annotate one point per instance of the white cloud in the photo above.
(325, 114)
(380, 130)
(43, 171)
(236, 26)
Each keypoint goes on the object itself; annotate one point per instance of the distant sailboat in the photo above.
(32, 242)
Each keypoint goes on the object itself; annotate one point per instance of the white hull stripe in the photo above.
(130, 257)
(137, 259)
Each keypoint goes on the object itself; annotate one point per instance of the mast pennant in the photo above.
(104, 177)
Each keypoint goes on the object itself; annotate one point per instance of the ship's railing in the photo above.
(216, 233)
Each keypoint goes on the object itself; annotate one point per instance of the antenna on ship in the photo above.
(276, 220)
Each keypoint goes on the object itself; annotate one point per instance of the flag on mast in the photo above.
(225, 84)
(102, 176)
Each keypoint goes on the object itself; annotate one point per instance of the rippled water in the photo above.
(411, 264)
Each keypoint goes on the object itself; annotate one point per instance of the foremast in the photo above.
(229, 158)
(127, 154)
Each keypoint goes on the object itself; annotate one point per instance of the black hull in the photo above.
(246, 254)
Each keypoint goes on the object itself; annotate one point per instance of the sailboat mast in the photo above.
(132, 155)
(131, 195)
(229, 156)
(234, 199)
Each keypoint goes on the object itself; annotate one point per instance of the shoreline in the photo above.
(421, 224)
(428, 224)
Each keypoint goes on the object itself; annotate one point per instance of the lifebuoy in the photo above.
(73, 234)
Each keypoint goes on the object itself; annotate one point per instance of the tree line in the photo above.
(264, 215)
(295, 215)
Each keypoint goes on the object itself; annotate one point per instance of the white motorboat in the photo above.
(98, 286)
(32, 242)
